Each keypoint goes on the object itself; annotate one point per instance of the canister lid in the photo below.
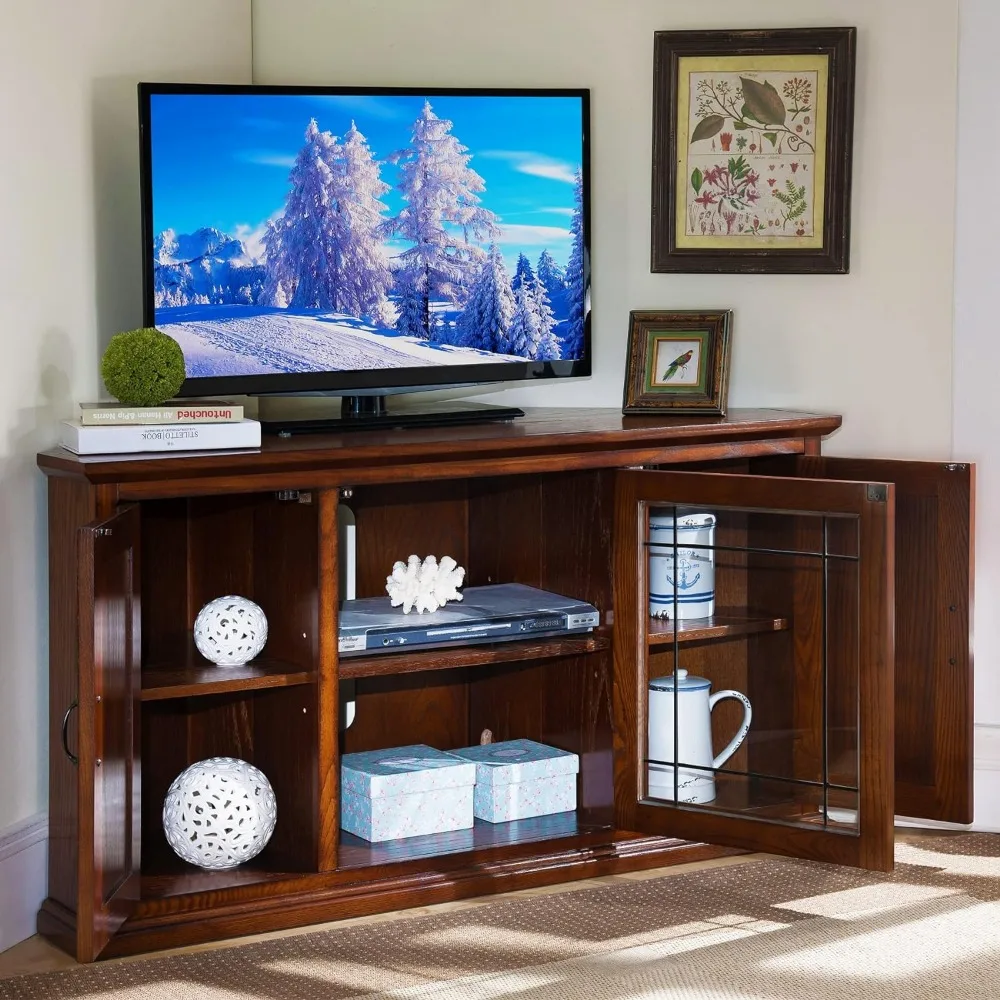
(685, 682)
(697, 519)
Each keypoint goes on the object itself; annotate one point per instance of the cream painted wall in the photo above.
(874, 345)
(70, 277)
(977, 364)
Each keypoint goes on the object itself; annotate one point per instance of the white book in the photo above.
(127, 439)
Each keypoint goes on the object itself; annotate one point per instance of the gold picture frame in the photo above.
(677, 361)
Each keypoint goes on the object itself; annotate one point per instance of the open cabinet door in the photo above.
(110, 688)
(934, 588)
(753, 663)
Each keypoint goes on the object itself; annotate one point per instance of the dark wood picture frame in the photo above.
(690, 350)
(823, 246)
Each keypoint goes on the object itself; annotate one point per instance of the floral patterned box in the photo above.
(519, 779)
(405, 792)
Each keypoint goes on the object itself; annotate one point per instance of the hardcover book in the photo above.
(117, 439)
(171, 412)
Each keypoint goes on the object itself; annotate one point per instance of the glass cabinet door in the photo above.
(753, 663)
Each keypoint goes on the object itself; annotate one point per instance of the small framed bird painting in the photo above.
(677, 361)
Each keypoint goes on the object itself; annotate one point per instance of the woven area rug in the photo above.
(766, 929)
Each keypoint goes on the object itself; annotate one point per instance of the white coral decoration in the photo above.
(424, 585)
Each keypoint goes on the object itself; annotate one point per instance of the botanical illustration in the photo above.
(751, 155)
(675, 362)
(446, 233)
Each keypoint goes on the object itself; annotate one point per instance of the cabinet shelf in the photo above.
(470, 656)
(188, 680)
(357, 853)
(726, 624)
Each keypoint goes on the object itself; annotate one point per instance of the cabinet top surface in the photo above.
(552, 431)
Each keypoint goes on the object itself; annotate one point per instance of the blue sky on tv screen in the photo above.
(222, 160)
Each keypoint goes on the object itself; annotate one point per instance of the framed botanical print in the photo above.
(752, 138)
(677, 361)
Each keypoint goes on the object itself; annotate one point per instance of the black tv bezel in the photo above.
(373, 380)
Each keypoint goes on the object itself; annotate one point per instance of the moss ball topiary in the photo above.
(143, 367)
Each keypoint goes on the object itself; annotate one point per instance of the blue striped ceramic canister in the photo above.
(690, 587)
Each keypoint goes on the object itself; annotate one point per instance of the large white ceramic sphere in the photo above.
(229, 631)
(219, 813)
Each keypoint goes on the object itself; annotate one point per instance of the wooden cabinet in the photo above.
(843, 593)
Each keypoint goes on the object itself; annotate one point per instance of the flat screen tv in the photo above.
(361, 241)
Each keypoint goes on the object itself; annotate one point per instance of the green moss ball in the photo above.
(143, 367)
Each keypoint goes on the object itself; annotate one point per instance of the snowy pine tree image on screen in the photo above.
(325, 232)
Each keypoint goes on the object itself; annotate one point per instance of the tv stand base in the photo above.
(358, 413)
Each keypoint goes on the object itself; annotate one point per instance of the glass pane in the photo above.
(758, 610)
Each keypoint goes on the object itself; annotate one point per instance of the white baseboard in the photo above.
(986, 789)
(987, 748)
(23, 878)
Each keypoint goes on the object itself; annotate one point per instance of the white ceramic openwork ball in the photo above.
(229, 631)
(219, 813)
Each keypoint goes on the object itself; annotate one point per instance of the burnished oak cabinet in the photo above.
(843, 591)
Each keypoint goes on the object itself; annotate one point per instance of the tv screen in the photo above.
(327, 239)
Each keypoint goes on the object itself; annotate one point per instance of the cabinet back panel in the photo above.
(165, 754)
(509, 702)
(505, 531)
(784, 667)
(166, 619)
(285, 748)
(220, 548)
(286, 578)
(393, 522)
(552, 532)
(252, 545)
(392, 711)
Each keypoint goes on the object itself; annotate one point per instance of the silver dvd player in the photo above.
(485, 614)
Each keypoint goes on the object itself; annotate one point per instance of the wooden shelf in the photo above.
(357, 853)
(470, 656)
(165, 875)
(194, 679)
(726, 624)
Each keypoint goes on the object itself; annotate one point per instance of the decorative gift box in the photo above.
(521, 778)
(405, 792)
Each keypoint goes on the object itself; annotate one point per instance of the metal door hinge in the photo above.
(104, 532)
(877, 493)
(294, 496)
(955, 467)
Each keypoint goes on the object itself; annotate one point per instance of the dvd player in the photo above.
(494, 613)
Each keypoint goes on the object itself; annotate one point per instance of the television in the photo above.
(362, 241)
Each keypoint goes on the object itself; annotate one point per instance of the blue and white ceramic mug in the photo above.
(682, 587)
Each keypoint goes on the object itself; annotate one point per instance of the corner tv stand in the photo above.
(816, 559)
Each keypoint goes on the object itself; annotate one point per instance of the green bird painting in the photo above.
(676, 365)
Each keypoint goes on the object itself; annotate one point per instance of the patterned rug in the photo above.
(765, 929)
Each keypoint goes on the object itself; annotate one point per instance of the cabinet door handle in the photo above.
(65, 728)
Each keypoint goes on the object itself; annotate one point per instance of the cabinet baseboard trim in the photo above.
(23, 878)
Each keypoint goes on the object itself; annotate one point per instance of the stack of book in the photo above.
(177, 425)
